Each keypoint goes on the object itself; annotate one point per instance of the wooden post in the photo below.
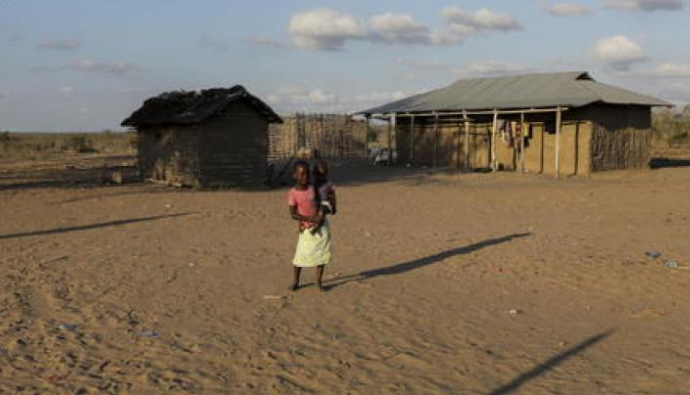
(366, 139)
(522, 142)
(391, 138)
(435, 137)
(411, 157)
(467, 140)
(494, 162)
(457, 143)
(558, 142)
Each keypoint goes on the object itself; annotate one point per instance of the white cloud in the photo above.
(667, 71)
(380, 97)
(324, 29)
(399, 29)
(60, 45)
(301, 99)
(618, 52)
(329, 30)
(66, 89)
(424, 65)
(490, 69)
(468, 70)
(566, 9)
(214, 44)
(266, 42)
(480, 20)
(114, 68)
(645, 5)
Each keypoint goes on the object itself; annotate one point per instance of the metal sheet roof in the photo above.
(568, 89)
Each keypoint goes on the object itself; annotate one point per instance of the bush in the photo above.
(672, 129)
(80, 144)
(5, 136)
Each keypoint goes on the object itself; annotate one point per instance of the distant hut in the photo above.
(215, 137)
(554, 123)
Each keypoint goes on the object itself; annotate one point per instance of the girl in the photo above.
(313, 249)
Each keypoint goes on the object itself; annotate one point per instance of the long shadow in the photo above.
(90, 226)
(550, 364)
(421, 262)
(660, 163)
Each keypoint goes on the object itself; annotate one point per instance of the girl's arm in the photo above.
(294, 215)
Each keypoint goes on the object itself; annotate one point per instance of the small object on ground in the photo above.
(191, 264)
(653, 254)
(168, 206)
(67, 327)
(275, 296)
(514, 311)
(670, 263)
(649, 312)
(148, 333)
(57, 377)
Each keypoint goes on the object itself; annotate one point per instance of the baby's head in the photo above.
(300, 173)
(321, 170)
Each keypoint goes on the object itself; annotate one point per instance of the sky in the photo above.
(85, 65)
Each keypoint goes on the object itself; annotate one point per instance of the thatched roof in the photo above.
(568, 89)
(188, 108)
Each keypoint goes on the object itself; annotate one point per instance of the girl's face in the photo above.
(301, 175)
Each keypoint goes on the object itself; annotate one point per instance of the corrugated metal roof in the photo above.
(568, 89)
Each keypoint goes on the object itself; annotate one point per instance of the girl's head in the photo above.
(300, 172)
(321, 170)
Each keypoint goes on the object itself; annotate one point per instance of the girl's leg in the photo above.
(319, 276)
(295, 278)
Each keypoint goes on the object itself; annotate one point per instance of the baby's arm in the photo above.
(331, 199)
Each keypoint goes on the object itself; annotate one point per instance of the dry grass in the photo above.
(40, 146)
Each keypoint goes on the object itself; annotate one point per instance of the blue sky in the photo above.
(84, 65)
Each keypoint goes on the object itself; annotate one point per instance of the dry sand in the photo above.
(441, 283)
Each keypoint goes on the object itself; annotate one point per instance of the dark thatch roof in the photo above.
(189, 108)
(570, 89)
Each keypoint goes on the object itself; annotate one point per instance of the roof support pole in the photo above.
(558, 142)
(411, 156)
(467, 141)
(522, 142)
(457, 146)
(494, 130)
(435, 137)
(366, 138)
(391, 125)
(388, 138)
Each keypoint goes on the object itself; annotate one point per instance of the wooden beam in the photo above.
(388, 140)
(391, 132)
(435, 139)
(366, 139)
(487, 112)
(522, 142)
(411, 157)
(558, 143)
(467, 142)
(494, 130)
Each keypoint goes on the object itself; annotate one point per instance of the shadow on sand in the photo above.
(550, 364)
(90, 226)
(421, 262)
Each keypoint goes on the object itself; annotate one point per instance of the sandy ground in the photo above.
(441, 283)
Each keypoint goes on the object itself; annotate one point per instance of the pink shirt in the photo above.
(305, 201)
